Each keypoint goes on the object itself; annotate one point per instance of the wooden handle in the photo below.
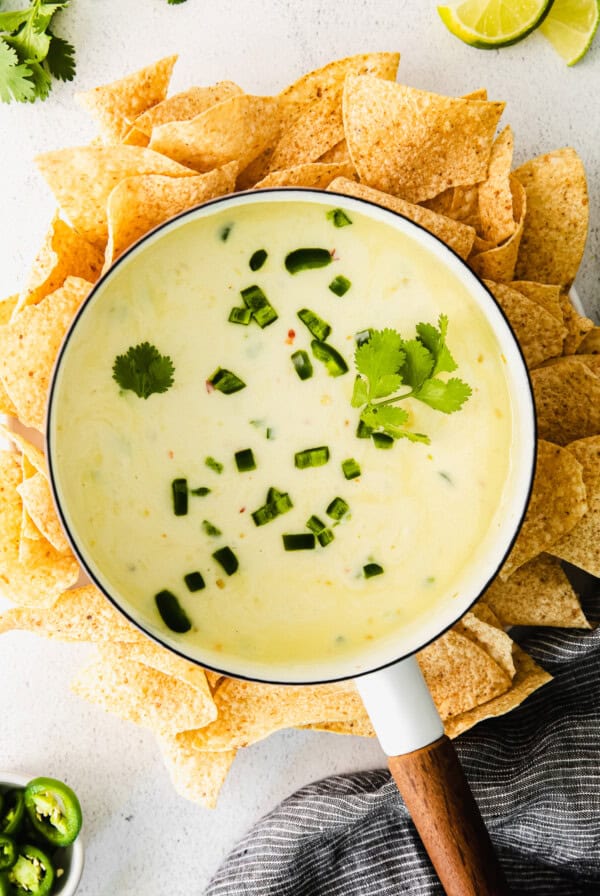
(448, 820)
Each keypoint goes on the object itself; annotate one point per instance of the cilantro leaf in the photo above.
(446, 397)
(30, 54)
(379, 360)
(143, 370)
(60, 60)
(175, 2)
(15, 83)
(360, 394)
(390, 420)
(435, 340)
(414, 436)
(418, 364)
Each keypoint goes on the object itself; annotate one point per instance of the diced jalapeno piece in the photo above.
(339, 217)
(304, 259)
(363, 431)
(201, 491)
(214, 465)
(340, 285)
(240, 316)
(179, 489)
(171, 612)
(210, 529)
(319, 328)
(257, 259)
(277, 504)
(333, 361)
(311, 457)
(227, 560)
(302, 364)
(325, 537)
(225, 231)
(350, 468)
(362, 337)
(315, 524)
(226, 381)
(262, 310)
(194, 581)
(303, 541)
(382, 440)
(372, 569)
(244, 460)
(337, 509)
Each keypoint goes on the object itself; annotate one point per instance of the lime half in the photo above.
(570, 27)
(489, 24)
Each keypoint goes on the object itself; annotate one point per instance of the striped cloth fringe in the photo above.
(535, 774)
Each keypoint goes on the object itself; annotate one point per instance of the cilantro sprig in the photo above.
(31, 54)
(143, 370)
(389, 365)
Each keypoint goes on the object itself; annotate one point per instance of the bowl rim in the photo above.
(72, 878)
(424, 237)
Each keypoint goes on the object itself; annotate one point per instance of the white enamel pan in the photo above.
(388, 678)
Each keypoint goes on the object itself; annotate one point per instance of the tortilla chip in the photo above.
(557, 217)
(196, 775)
(543, 294)
(323, 82)
(567, 400)
(64, 254)
(137, 693)
(460, 204)
(255, 171)
(115, 106)
(499, 263)
(357, 727)
(28, 527)
(529, 678)
(236, 130)
(460, 674)
(138, 204)
(556, 505)
(154, 656)
(80, 614)
(133, 137)
(479, 94)
(83, 177)
(337, 153)
(592, 362)
(481, 246)
(582, 545)
(483, 627)
(47, 573)
(538, 593)
(32, 453)
(415, 144)
(590, 344)
(7, 307)
(185, 105)
(248, 712)
(29, 345)
(214, 679)
(456, 235)
(6, 405)
(539, 334)
(577, 326)
(495, 195)
(315, 174)
(37, 500)
(316, 131)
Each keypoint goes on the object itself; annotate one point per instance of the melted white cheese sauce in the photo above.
(420, 511)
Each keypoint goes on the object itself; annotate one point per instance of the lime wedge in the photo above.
(570, 27)
(489, 24)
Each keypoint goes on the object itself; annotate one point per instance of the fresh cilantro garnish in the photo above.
(143, 370)
(31, 54)
(386, 363)
(175, 2)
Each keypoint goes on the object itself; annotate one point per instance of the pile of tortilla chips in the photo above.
(348, 127)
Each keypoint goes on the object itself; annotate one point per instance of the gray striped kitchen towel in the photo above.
(535, 774)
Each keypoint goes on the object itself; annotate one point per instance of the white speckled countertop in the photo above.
(139, 836)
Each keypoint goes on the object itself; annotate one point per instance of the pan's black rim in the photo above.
(225, 200)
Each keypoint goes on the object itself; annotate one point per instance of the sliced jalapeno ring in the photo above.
(54, 810)
(32, 873)
(5, 887)
(8, 852)
(13, 811)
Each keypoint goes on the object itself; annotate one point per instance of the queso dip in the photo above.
(280, 535)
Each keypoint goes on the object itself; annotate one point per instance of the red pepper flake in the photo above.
(220, 583)
(242, 509)
(334, 257)
(209, 387)
(290, 337)
(171, 454)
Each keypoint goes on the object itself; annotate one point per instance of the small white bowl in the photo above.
(70, 858)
